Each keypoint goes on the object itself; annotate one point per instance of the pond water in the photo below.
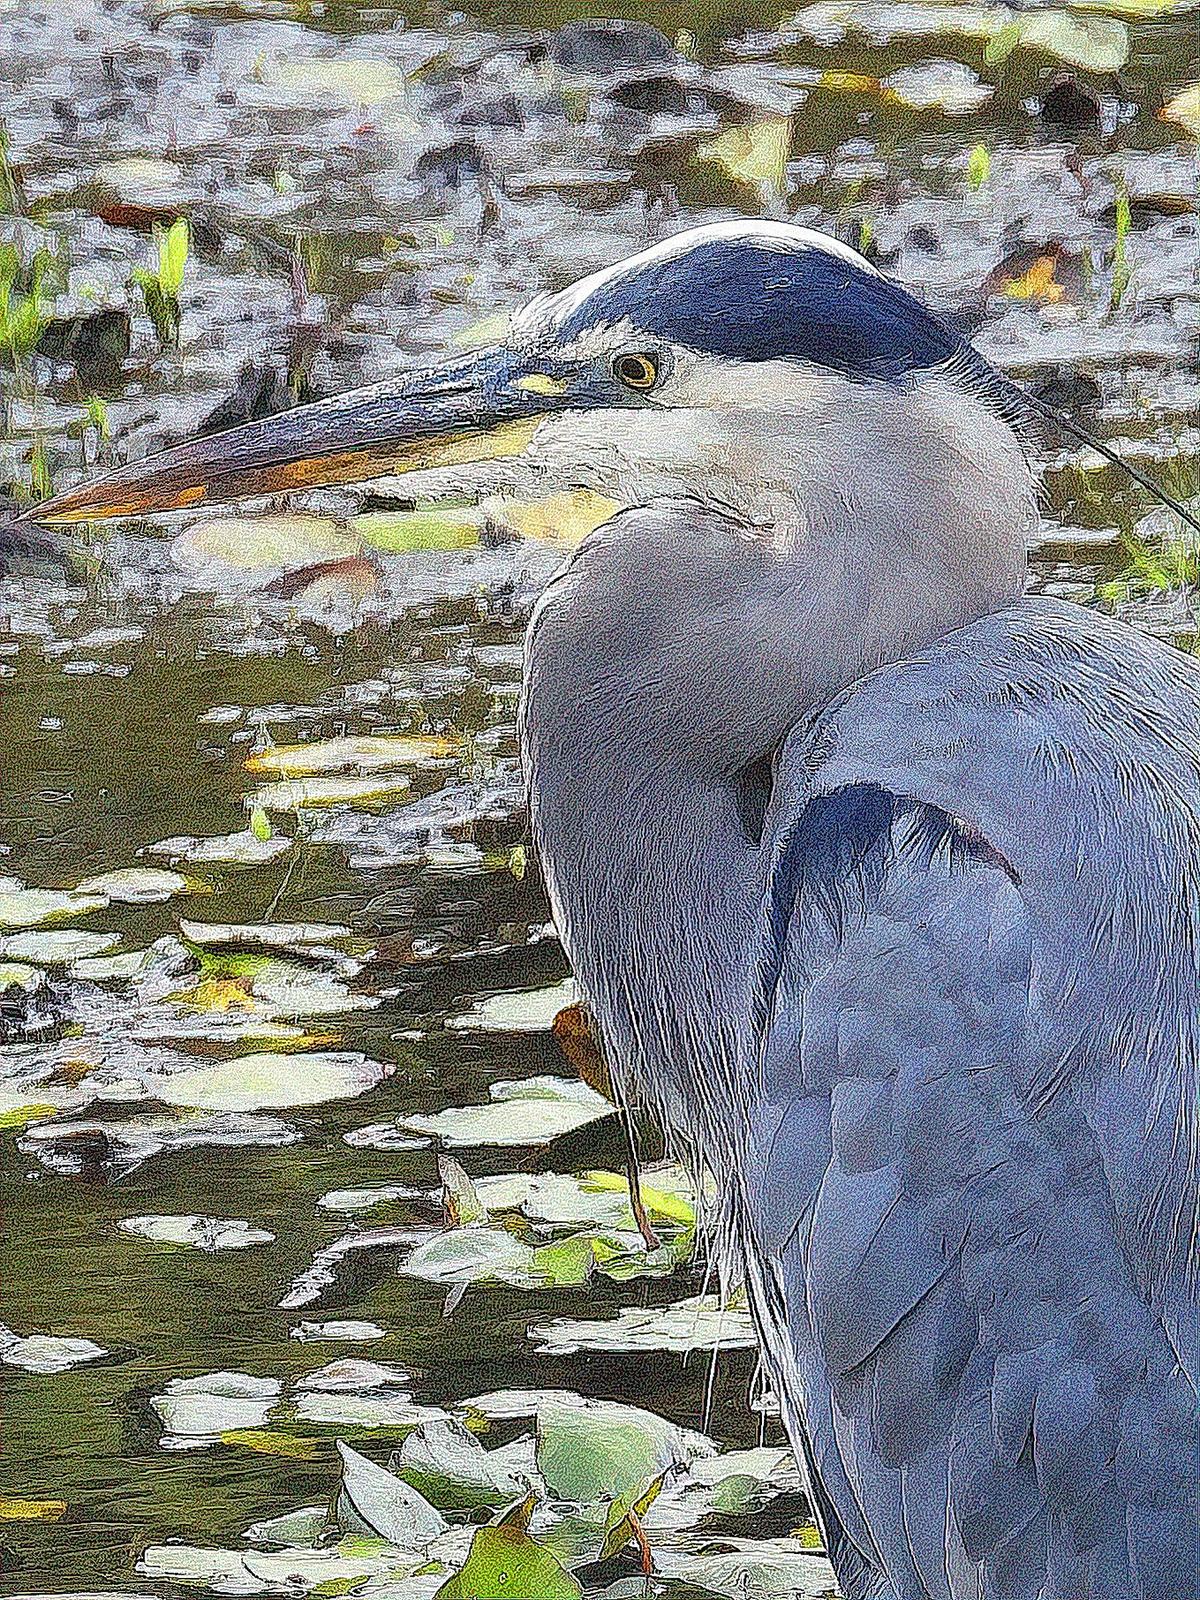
(367, 187)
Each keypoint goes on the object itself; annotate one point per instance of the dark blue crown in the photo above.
(738, 298)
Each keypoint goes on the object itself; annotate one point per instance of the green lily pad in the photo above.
(449, 1466)
(598, 1451)
(504, 1561)
(32, 908)
(373, 1500)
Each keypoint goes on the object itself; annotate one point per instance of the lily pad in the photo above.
(32, 908)
(359, 753)
(503, 1559)
(471, 1255)
(359, 1200)
(203, 1233)
(195, 1412)
(57, 949)
(702, 1323)
(750, 1569)
(596, 1450)
(46, 1353)
(393, 1413)
(451, 1468)
(222, 549)
(271, 935)
(136, 886)
(373, 1500)
(351, 1376)
(296, 794)
(244, 849)
(530, 1011)
(384, 1136)
(271, 1080)
(530, 1111)
(348, 1329)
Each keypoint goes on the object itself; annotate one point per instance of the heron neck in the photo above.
(665, 666)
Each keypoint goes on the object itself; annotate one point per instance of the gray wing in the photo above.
(976, 1161)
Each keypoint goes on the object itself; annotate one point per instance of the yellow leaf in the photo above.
(1184, 109)
(1036, 284)
(558, 518)
(851, 82)
(223, 995)
(808, 1536)
(362, 753)
(269, 1443)
(31, 1510)
(756, 153)
(18, 1116)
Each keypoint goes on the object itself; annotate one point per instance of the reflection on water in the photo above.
(257, 1026)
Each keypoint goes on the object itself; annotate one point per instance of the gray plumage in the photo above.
(884, 883)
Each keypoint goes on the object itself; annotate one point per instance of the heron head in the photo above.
(711, 366)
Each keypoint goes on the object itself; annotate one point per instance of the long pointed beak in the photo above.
(476, 409)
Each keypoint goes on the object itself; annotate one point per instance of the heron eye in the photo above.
(636, 370)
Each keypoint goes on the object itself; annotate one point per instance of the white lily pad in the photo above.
(270, 935)
(373, 1500)
(296, 794)
(361, 753)
(297, 1529)
(596, 1450)
(230, 1572)
(530, 1011)
(46, 1353)
(351, 1376)
(57, 949)
(347, 79)
(136, 886)
(530, 1111)
(203, 1233)
(271, 1080)
(98, 969)
(392, 1412)
(947, 86)
(195, 1412)
(384, 1136)
(358, 1200)
(471, 1255)
(347, 1328)
(293, 990)
(701, 1323)
(32, 908)
(450, 1468)
(750, 1569)
(244, 849)
(224, 549)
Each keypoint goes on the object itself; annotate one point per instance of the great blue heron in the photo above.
(883, 881)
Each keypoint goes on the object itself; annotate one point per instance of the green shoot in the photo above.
(23, 305)
(161, 285)
(1120, 259)
(979, 167)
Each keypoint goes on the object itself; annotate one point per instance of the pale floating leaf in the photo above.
(361, 753)
(136, 886)
(529, 1011)
(99, 969)
(471, 1255)
(702, 1323)
(599, 1450)
(1095, 43)
(346, 79)
(270, 1080)
(203, 1233)
(394, 1413)
(750, 1569)
(1184, 108)
(358, 1200)
(351, 1376)
(566, 518)
(347, 1329)
(57, 949)
(409, 532)
(244, 849)
(373, 1500)
(271, 935)
(32, 908)
(293, 1572)
(224, 548)
(755, 154)
(46, 1353)
(295, 794)
(292, 990)
(384, 1136)
(531, 1111)
(451, 1468)
(947, 86)
(297, 1529)
(195, 1412)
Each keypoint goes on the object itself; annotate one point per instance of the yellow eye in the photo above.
(636, 370)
